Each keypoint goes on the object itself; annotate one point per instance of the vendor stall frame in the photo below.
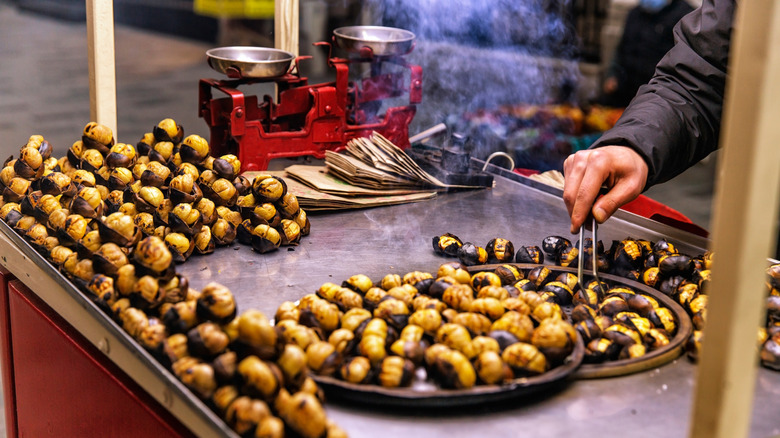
(746, 191)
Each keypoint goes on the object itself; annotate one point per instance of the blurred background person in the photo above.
(647, 36)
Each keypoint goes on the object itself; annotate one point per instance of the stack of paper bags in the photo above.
(373, 172)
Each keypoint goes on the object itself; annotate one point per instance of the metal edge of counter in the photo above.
(70, 303)
(649, 224)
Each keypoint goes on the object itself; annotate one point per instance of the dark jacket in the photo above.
(674, 121)
(647, 36)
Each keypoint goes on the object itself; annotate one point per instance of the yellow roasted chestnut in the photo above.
(194, 149)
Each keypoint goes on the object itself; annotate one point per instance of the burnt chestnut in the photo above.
(601, 349)
(552, 245)
(529, 254)
(500, 250)
(470, 254)
(447, 244)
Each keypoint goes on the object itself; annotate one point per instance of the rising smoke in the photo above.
(481, 54)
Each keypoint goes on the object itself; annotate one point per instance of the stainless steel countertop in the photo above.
(397, 239)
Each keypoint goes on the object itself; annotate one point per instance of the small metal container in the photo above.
(249, 62)
(382, 41)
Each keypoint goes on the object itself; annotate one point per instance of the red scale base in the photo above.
(309, 119)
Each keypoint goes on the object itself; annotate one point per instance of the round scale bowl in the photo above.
(382, 41)
(249, 62)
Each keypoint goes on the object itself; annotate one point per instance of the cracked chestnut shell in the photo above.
(154, 257)
(227, 166)
(216, 303)
(119, 228)
(108, 259)
(447, 244)
(88, 203)
(180, 246)
(194, 149)
(264, 238)
(268, 189)
(39, 143)
(168, 130)
(183, 188)
(207, 340)
(155, 174)
(243, 185)
(223, 232)
(500, 250)
(97, 136)
(161, 152)
(30, 163)
(16, 190)
(121, 155)
(184, 219)
(57, 183)
(204, 242)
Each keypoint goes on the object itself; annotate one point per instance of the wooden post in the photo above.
(286, 33)
(744, 225)
(102, 70)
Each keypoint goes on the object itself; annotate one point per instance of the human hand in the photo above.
(622, 170)
(610, 85)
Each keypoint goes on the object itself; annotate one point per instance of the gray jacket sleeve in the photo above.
(674, 120)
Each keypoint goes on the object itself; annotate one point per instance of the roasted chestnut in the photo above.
(555, 338)
(529, 254)
(447, 244)
(303, 413)
(227, 166)
(153, 256)
(206, 340)
(269, 189)
(216, 303)
(453, 369)
(108, 259)
(524, 359)
(97, 136)
(265, 238)
(395, 371)
(356, 369)
(552, 245)
(500, 250)
(194, 149)
(290, 232)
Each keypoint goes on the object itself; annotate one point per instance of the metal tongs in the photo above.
(594, 244)
(581, 252)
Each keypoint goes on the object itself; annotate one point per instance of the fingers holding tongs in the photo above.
(592, 225)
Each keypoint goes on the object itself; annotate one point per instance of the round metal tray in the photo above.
(622, 367)
(381, 41)
(249, 62)
(425, 394)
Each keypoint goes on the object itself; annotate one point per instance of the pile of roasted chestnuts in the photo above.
(115, 219)
(454, 329)
(657, 264)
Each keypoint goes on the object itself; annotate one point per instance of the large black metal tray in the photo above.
(622, 367)
(424, 394)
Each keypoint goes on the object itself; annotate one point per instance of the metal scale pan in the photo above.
(249, 62)
(376, 40)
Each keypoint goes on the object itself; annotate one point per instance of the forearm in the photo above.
(675, 119)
